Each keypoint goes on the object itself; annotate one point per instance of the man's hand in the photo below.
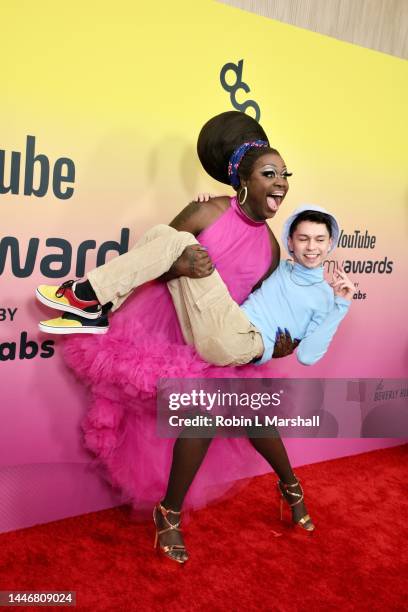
(194, 262)
(284, 345)
(342, 285)
(205, 197)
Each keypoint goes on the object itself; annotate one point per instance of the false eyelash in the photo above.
(285, 175)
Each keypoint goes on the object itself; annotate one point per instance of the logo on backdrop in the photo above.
(61, 174)
(235, 70)
(33, 174)
(360, 239)
(62, 260)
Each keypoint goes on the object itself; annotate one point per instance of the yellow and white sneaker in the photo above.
(70, 323)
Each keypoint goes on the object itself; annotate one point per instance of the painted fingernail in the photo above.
(287, 332)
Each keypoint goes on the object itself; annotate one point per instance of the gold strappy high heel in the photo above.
(169, 549)
(305, 522)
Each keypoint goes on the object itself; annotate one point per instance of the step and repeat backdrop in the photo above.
(101, 107)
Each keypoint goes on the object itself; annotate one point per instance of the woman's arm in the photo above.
(194, 218)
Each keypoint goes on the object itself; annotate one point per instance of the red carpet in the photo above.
(356, 560)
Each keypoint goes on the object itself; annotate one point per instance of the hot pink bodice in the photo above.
(240, 248)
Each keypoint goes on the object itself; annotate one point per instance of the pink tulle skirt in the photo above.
(122, 369)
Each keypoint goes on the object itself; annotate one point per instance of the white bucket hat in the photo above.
(334, 224)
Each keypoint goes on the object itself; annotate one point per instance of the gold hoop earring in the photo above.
(242, 202)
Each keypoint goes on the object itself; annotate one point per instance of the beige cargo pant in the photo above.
(209, 318)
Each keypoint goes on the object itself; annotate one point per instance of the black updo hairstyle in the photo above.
(219, 138)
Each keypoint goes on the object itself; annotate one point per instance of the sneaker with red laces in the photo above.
(64, 298)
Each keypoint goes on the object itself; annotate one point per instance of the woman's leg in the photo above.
(188, 454)
(273, 450)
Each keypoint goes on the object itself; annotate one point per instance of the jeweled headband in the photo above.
(237, 156)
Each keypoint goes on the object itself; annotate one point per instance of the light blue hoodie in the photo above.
(298, 299)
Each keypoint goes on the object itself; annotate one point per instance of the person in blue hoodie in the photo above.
(296, 297)
(295, 300)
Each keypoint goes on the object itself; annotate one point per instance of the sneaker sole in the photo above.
(66, 307)
(72, 330)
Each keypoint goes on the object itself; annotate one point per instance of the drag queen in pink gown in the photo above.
(145, 344)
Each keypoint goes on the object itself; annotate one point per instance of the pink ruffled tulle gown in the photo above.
(145, 343)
